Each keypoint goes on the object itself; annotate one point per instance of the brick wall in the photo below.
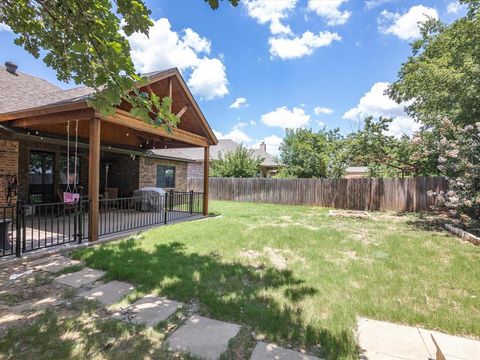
(195, 170)
(148, 172)
(8, 165)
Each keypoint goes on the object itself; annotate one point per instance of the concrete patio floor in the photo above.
(380, 340)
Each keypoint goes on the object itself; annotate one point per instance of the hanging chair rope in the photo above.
(76, 157)
(68, 158)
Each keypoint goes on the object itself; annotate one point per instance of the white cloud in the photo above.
(376, 103)
(197, 43)
(209, 79)
(273, 143)
(406, 26)
(239, 102)
(166, 48)
(284, 118)
(5, 27)
(329, 10)
(455, 7)
(322, 110)
(370, 4)
(236, 134)
(296, 47)
(272, 12)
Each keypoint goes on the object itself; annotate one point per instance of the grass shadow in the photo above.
(227, 291)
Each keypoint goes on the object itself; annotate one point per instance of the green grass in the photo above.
(391, 268)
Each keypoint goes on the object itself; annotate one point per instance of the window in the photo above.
(41, 176)
(165, 176)
(68, 178)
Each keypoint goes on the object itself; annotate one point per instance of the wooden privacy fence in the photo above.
(407, 194)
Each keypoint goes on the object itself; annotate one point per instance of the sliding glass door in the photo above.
(41, 177)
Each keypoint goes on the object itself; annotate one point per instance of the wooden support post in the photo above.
(206, 167)
(170, 92)
(94, 178)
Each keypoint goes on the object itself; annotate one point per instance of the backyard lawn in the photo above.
(290, 275)
(299, 277)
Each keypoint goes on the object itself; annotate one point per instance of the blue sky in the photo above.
(285, 63)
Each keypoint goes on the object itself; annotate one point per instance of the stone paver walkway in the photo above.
(264, 351)
(54, 264)
(80, 278)
(149, 310)
(109, 293)
(203, 337)
(383, 340)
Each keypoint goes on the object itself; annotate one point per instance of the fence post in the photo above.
(190, 204)
(24, 228)
(18, 230)
(165, 205)
(79, 217)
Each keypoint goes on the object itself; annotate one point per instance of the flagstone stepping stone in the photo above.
(109, 293)
(264, 351)
(55, 264)
(80, 278)
(149, 310)
(203, 337)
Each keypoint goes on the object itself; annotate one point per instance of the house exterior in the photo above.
(113, 152)
(355, 172)
(195, 162)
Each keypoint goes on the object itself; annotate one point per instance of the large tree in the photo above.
(308, 154)
(84, 42)
(239, 163)
(441, 84)
(442, 76)
(389, 156)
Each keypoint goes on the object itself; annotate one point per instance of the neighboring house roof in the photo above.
(21, 91)
(357, 169)
(223, 146)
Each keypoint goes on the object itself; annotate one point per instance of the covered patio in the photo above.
(101, 138)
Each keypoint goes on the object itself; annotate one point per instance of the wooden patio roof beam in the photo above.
(52, 119)
(123, 118)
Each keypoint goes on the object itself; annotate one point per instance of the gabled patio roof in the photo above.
(33, 106)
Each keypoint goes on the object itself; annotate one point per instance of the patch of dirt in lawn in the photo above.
(279, 258)
(284, 221)
(348, 256)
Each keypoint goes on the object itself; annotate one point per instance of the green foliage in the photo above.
(84, 42)
(441, 78)
(240, 163)
(388, 156)
(459, 147)
(306, 154)
(440, 82)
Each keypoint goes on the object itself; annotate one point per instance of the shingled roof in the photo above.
(21, 91)
(223, 146)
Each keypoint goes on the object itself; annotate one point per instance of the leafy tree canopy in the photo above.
(84, 42)
(388, 156)
(441, 77)
(240, 163)
(308, 154)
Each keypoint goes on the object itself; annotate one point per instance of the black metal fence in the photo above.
(28, 227)
(124, 214)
